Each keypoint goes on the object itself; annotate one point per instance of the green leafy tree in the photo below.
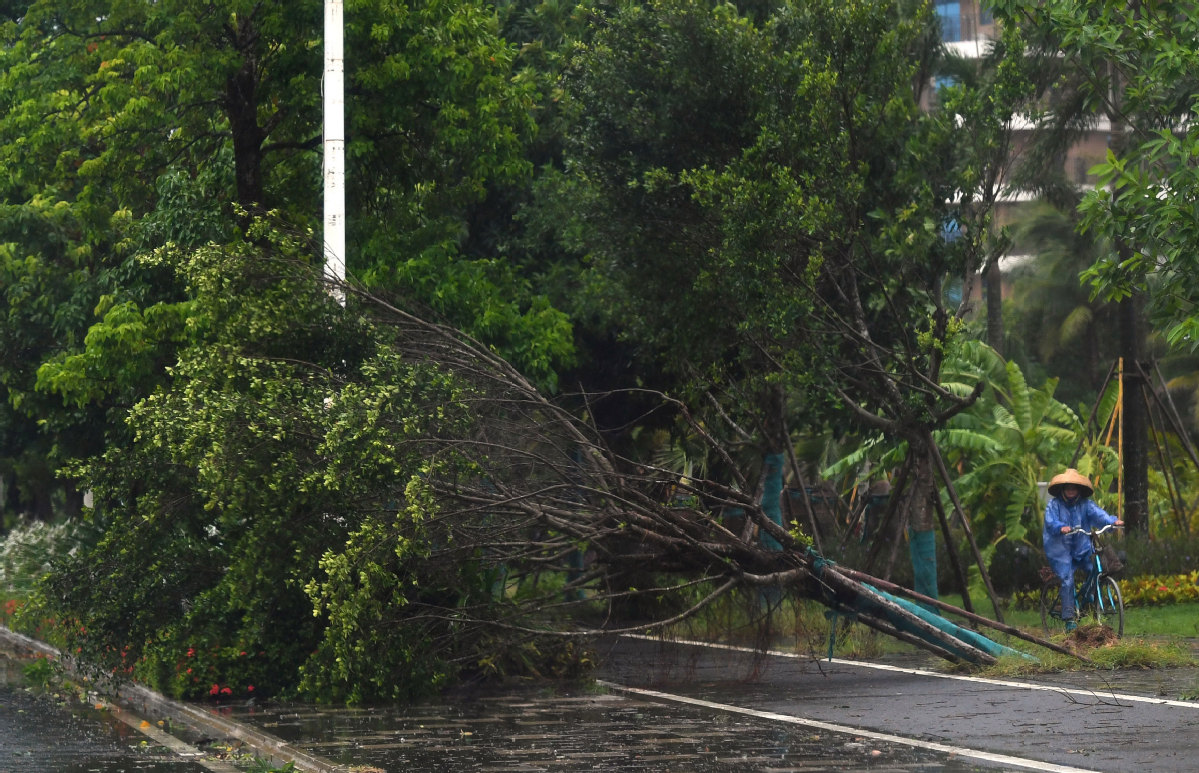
(131, 125)
(1066, 331)
(987, 96)
(777, 240)
(264, 478)
(183, 119)
(1131, 65)
(1013, 438)
(190, 559)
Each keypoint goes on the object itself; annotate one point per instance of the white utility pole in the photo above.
(335, 146)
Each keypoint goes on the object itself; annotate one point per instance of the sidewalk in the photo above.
(39, 734)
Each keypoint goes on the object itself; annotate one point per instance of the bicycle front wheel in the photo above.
(1051, 608)
(1108, 608)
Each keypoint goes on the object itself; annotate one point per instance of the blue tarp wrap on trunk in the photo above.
(865, 604)
(922, 546)
(973, 638)
(772, 489)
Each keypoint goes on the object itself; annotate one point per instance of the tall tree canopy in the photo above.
(780, 241)
(1133, 66)
(130, 125)
(770, 200)
(762, 204)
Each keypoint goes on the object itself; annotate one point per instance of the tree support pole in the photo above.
(887, 523)
(803, 490)
(887, 629)
(1091, 417)
(956, 560)
(935, 452)
(1171, 411)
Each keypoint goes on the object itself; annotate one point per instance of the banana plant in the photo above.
(1015, 437)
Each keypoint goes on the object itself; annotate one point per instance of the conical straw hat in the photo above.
(1070, 476)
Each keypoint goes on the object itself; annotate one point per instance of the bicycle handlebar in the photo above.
(1080, 530)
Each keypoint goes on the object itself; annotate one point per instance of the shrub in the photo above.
(1159, 555)
(26, 555)
(1161, 589)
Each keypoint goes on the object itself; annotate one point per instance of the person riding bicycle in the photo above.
(1070, 507)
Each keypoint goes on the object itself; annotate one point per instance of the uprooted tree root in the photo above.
(1090, 636)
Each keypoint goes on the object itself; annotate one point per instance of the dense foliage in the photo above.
(786, 224)
(280, 471)
(753, 217)
(1140, 69)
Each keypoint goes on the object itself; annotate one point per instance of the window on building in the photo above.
(942, 82)
(950, 15)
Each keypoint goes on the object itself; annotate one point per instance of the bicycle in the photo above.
(1097, 595)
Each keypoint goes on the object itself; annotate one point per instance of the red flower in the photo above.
(216, 689)
(226, 690)
(250, 688)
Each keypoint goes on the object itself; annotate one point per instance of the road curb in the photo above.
(147, 703)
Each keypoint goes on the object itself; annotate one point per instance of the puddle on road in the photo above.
(573, 732)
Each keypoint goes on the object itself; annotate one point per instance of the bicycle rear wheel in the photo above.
(1051, 608)
(1108, 607)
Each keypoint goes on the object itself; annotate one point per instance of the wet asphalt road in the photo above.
(41, 732)
(746, 713)
(39, 735)
(1082, 721)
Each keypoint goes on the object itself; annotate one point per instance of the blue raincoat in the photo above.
(1067, 552)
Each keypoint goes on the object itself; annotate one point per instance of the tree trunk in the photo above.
(774, 435)
(241, 107)
(1135, 431)
(772, 490)
(1134, 443)
(993, 290)
(922, 539)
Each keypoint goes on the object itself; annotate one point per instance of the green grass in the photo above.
(1180, 620)
(798, 625)
(1124, 654)
(1154, 637)
(1169, 621)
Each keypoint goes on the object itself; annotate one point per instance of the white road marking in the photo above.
(857, 732)
(939, 675)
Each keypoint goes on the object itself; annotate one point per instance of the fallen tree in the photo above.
(548, 497)
(382, 505)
